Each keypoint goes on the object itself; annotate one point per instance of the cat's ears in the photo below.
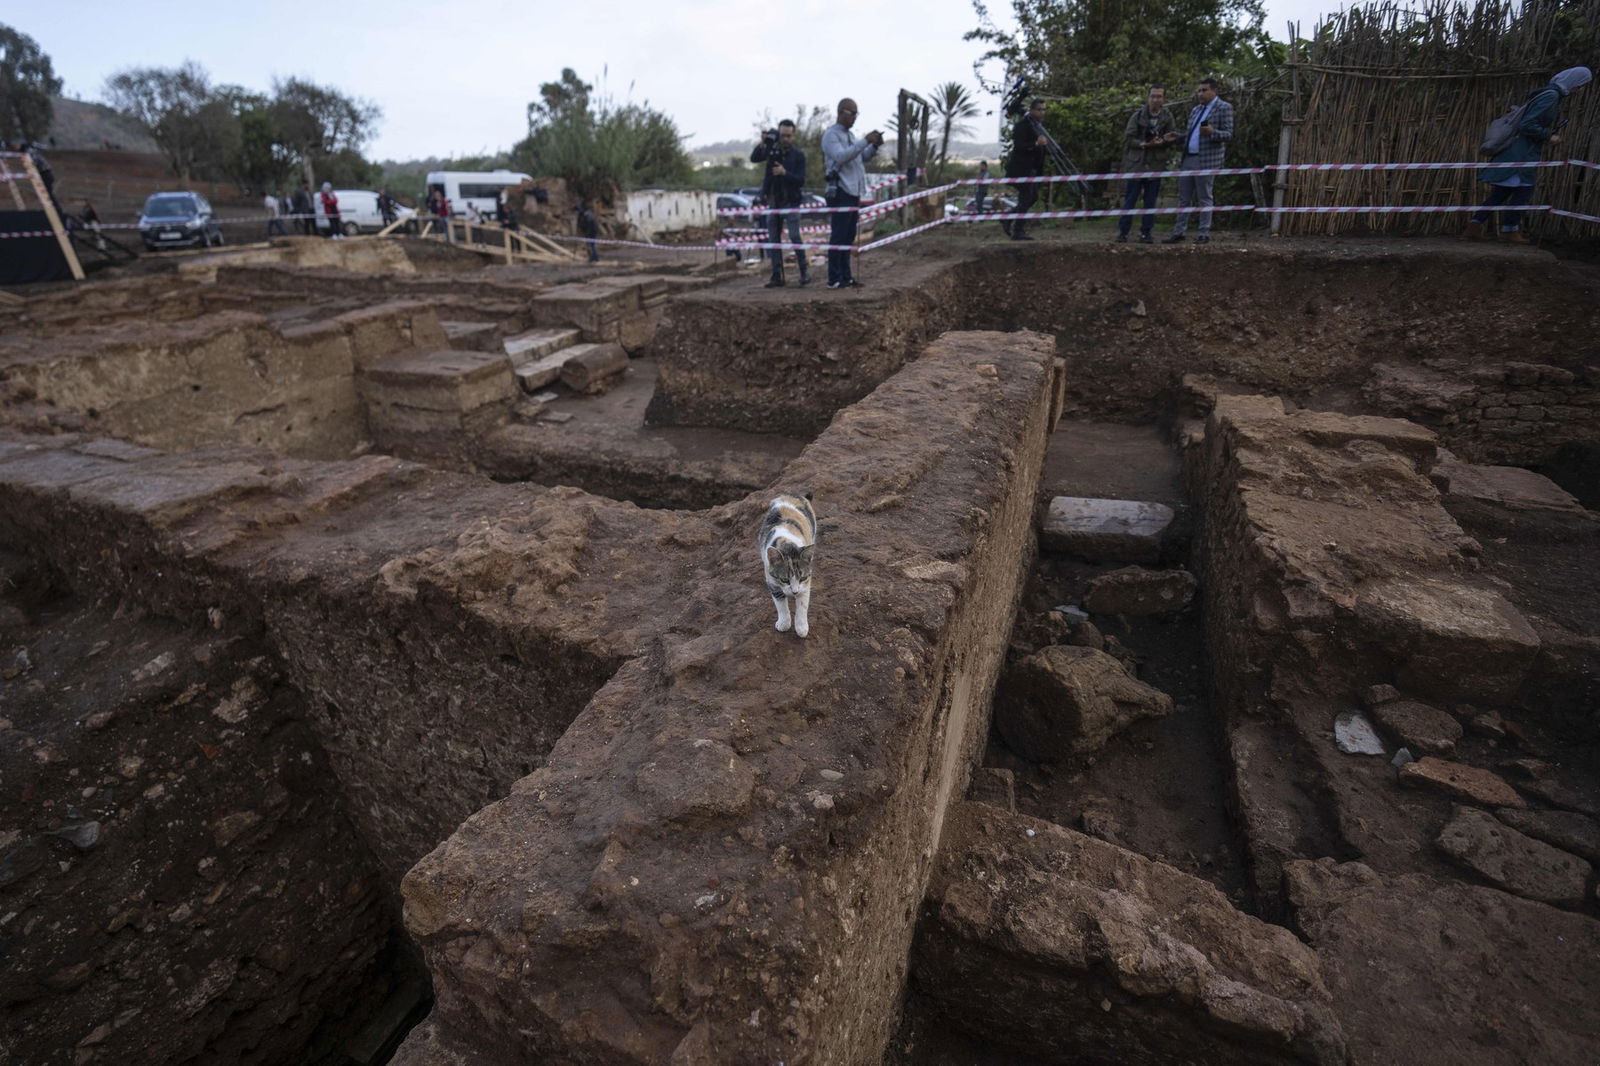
(806, 552)
(774, 556)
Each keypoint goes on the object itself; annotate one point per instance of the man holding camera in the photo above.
(782, 187)
(845, 160)
(1027, 161)
(1147, 142)
(1205, 141)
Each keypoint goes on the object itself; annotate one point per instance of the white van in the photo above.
(481, 187)
(358, 211)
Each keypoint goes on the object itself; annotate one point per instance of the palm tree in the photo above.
(951, 104)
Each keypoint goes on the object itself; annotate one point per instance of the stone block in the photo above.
(1507, 486)
(541, 372)
(1567, 830)
(1068, 700)
(592, 367)
(1449, 641)
(535, 344)
(995, 786)
(1121, 531)
(1061, 947)
(1423, 728)
(1133, 590)
(1519, 864)
(440, 380)
(1469, 784)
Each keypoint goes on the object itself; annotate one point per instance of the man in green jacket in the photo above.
(1147, 145)
(1513, 186)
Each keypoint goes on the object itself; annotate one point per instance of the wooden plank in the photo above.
(11, 180)
(49, 206)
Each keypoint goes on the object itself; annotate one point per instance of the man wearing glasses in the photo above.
(844, 161)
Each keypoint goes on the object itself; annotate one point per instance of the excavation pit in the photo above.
(531, 666)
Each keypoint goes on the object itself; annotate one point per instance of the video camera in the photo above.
(1016, 99)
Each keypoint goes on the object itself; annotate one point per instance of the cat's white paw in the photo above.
(782, 625)
(801, 627)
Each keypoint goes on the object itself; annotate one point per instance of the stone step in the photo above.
(541, 372)
(535, 344)
(468, 331)
(1114, 531)
(590, 367)
(450, 380)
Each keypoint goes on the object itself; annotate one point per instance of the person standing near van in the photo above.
(388, 209)
(330, 208)
(301, 208)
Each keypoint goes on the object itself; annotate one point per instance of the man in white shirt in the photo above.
(274, 207)
(844, 162)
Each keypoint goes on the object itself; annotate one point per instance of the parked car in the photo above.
(178, 220)
(358, 212)
(729, 200)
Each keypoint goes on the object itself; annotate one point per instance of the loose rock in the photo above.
(1133, 590)
(1354, 735)
(1419, 726)
(1067, 700)
(1459, 781)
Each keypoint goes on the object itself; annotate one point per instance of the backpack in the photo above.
(1503, 130)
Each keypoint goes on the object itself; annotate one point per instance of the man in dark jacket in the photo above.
(783, 186)
(1027, 161)
(1147, 142)
(304, 213)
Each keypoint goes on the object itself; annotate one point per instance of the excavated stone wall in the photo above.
(177, 880)
(226, 377)
(1446, 337)
(722, 859)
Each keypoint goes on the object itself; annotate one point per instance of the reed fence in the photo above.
(1391, 82)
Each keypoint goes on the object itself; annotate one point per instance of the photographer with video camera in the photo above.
(845, 160)
(1027, 161)
(783, 186)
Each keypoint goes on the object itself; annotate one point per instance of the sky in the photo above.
(455, 79)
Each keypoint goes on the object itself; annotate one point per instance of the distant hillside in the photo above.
(80, 124)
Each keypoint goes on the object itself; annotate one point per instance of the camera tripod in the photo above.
(1016, 100)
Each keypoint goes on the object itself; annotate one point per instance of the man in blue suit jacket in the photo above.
(1205, 142)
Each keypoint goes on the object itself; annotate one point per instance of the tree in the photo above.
(167, 102)
(596, 145)
(315, 122)
(1066, 47)
(27, 82)
(951, 105)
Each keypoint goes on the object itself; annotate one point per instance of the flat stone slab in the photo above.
(1515, 862)
(1567, 830)
(1515, 985)
(448, 380)
(1123, 531)
(1508, 486)
(1455, 641)
(1468, 784)
(535, 344)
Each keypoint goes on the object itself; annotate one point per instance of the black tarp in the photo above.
(29, 259)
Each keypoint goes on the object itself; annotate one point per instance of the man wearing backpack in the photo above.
(1534, 128)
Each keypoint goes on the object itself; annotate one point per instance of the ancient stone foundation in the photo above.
(386, 672)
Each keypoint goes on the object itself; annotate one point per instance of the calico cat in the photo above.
(788, 544)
